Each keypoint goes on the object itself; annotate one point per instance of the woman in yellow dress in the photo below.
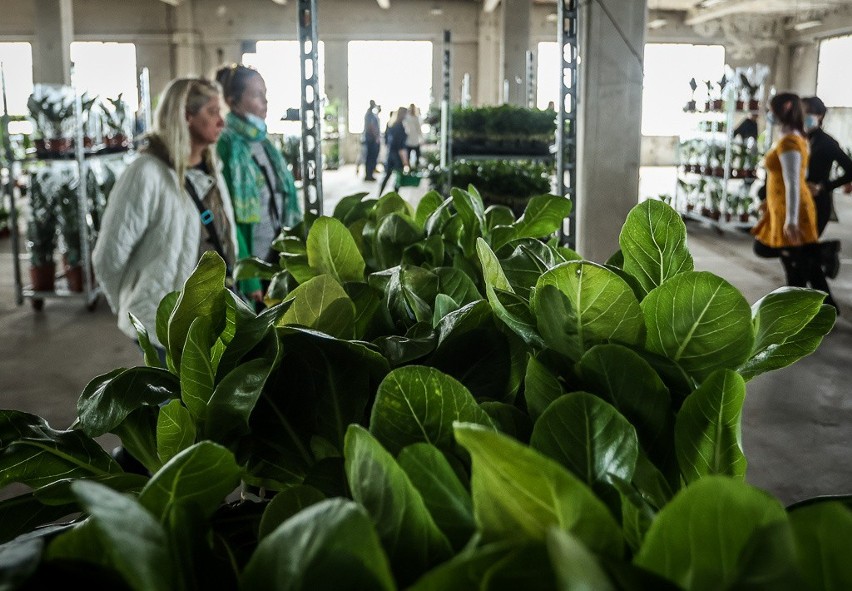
(789, 222)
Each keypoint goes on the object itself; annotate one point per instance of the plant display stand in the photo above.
(717, 171)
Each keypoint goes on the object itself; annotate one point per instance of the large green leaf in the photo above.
(322, 304)
(789, 324)
(201, 475)
(605, 307)
(234, 399)
(576, 568)
(330, 546)
(557, 322)
(408, 533)
(518, 494)
(588, 436)
(630, 384)
(527, 262)
(176, 430)
(471, 211)
(541, 387)
(332, 251)
(427, 205)
(466, 570)
(543, 216)
(700, 321)
(394, 234)
(253, 267)
(136, 543)
(352, 207)
(196, 371)
(285, 505)
(708, 435)
(653, 243)
(458, 285)
(443, 493)
(203, 295)
(419, 404)
(34, 454)
(108, 399)
(697, 539)
(164, 312)
(152, 358)
(822, 534)
(409, 295)
(391, 203)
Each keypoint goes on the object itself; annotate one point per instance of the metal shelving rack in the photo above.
(566, 135)
(311, 113)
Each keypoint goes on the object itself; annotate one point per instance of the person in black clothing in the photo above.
(371, 139)
(397, 158)
(747, 127)
(825, 151)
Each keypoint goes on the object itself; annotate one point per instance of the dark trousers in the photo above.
(803, 268)
(371, 159)
(393, 163)
(824, 206)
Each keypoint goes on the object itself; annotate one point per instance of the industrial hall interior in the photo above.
(425, 294)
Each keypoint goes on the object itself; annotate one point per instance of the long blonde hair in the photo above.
(181, 97)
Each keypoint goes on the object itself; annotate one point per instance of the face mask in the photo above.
(256, 121)
(811, 122)
(771, 119)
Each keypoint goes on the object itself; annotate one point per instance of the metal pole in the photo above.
(446, 113)
(465, 94)
(530, 59)
(9, 189)
(145, 98)
(311, 116)
(82, 199)
(566, 120)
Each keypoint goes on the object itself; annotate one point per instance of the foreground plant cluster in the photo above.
(436, 399)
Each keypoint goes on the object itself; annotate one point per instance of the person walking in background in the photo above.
(371, 139)
(167, 208)
(261, 186)
(414, 135)
(789, 225)
(397, 157)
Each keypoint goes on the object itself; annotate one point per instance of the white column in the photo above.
(516, 42)
(54, 31)
(489, 79)
(186, 42)
(609, 122)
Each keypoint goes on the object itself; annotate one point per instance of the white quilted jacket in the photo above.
(149, 239)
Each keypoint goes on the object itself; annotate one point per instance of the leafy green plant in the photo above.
(52, 114)
(502, 416)
(43, 220)
(116, 114)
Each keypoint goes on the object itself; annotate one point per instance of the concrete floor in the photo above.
(797, 424)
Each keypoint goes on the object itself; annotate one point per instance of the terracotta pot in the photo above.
(717, 105)
(74, 276)
(43, 278)
(690, 206)
(88, 142)
(728, 216)
(754, 105)
(740, 105)
(716, 214)
(744, 217)
(719, 171)
(61, 145)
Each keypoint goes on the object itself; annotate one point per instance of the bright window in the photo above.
(106, 70)
(392, 73)
(833, 74)
(17, 60)
(668, 70)
(280, 65)
(547, 74)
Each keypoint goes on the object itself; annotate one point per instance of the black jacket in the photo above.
(825, 151)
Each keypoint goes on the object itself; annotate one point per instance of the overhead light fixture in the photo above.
(658, 23)
(436, 11)
(710, 3)
(807, 25)
(280, 2)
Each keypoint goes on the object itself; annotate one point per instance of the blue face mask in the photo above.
(811, 122)
(771, 119)
(257, 122)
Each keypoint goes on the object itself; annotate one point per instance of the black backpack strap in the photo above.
(207, 221)
(274, 214)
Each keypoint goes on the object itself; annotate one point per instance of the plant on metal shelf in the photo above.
(118, 118)
(69, 229)
(404, 428)
(502, 130)
(41, 229)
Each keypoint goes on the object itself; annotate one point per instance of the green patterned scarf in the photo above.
(244, 179)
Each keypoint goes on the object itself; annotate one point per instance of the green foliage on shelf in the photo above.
(399, 418)
(499, 180)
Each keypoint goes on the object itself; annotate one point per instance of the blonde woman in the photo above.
(167, 208)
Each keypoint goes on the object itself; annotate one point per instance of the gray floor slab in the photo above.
(797, 423)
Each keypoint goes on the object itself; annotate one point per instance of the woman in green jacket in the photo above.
(261, 187)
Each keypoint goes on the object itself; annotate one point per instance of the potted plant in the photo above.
(708, 104)
(718, 102)
(69, 229)
(691, 106)
(41, 230)
(91, 122)
(750, 90)
(52, 115)
(291, 150)
(116, 115)
(4, 221)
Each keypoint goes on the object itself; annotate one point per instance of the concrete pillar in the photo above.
(54, 31)
(610, 122)
(186, 41)
(516, 43)
(488, 81)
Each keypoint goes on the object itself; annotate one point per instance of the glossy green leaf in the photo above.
(394, 234)
(285, 505)
(576, 568)
(32, 453)
(416, 344)
(471, 211)
(491, 270)
(164, 312)
(541, 387)
(408, 532)
(543, 216)
(605, 307)
(427, 205)
(389, 203)
(519, 494)
(321, 304)
(152, 359)
(20, 515)
(527, 262)
(332, 251)
(133, 538)
(330, 546)
(588, 436)
(443, 493)
(653, 243)
(466, 570)
(108, 399)
(419, 404)
(637, 513)
(234, 400)
(352, 207)
(444, 305)
(203, 295)
(253, 267)
(196, 371)
(175, 430)
(458, 285)
(509, 419)
(438, 219)
(789, 324)
(557, 321)
(498, 215)
(298, 267)
(708, 434)
(697, 539)
(822, 533)
(700, 321)
(201, 475)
